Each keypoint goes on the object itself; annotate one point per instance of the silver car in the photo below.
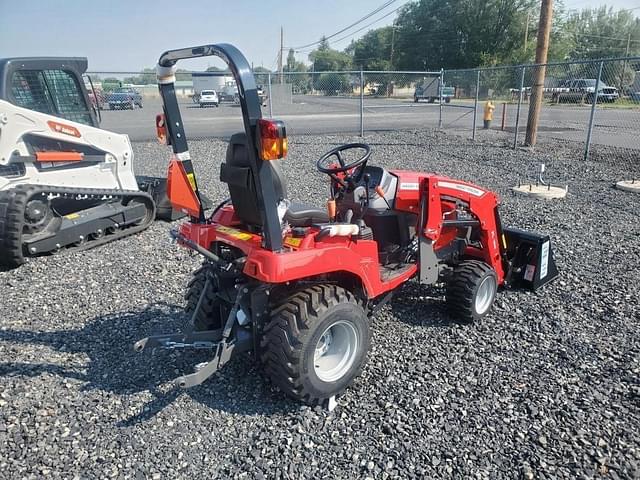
(209, 98)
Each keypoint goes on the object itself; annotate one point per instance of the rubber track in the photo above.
(460, 290)
(14, 201)
(11, 222)
(280, 345)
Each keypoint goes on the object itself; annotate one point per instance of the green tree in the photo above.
(261, 69)
(602, 33)
(148, 77)
(325, 59)
(292, 64)
(432, 34)
(373, 50)
(110, 83)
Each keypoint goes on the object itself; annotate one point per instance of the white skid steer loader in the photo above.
(64, 182)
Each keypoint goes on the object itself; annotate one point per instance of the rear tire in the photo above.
(471, 291)
(209, 315)
(316, 343)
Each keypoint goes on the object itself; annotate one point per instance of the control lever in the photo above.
(380, 192)
(366, 177)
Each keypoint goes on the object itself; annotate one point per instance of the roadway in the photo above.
(324, 115)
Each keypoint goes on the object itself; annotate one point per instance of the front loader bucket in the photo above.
(531, 259)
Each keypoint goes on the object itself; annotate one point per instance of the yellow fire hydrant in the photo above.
(489, 107)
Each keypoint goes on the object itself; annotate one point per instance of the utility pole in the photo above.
(537, 90)
(526, 33)
(280, 71)
(624, 64)
(393, 41)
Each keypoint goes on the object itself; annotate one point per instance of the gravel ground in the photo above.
(548, 386)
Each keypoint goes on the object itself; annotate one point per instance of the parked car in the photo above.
(124, 98)
(577, 90)
(429, 91)
(97, 100)
(228, 92)
(208, 98)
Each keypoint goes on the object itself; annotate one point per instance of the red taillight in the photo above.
(272, 139)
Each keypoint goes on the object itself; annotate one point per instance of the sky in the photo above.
(119, 35)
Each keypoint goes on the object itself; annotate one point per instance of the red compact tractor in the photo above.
(297, 284)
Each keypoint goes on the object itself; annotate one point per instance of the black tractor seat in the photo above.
(301, 215)
(236, 173)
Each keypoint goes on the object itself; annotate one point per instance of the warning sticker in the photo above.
(232, 232)
(72, 216)
(409, 186)
(292, 242)
(192, 180)
(529, 272)
(463, 188)
(544, 259)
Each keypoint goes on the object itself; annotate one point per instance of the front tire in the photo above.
(471, 291)
(316, 343)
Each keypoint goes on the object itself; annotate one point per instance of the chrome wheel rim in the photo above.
(335, 351)
(484, 295)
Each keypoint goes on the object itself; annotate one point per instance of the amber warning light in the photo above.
(161, 129)
(272, 139)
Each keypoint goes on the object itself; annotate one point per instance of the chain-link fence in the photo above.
(591, 102)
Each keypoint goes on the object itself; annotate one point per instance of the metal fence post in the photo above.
(269, 93)
(361, 103)
(593, 112)
(520, 95)
(440, 86)
(475, 106)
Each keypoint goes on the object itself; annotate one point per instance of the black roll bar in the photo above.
(251, 113)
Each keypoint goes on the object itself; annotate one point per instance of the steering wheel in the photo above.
(332, 169)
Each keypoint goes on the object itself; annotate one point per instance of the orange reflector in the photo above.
(161, 129)
(272, 139)
(180, 189)
(62, 128)
(58, 156)
(331, 208)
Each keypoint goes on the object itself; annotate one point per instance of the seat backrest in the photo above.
(236, 173)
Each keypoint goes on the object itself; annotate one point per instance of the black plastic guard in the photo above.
(531, 258)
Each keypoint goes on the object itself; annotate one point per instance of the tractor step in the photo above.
(388, 272)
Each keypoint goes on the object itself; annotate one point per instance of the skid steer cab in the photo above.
(65, 183)
(297, 284)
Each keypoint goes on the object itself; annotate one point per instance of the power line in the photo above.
(368, 15)
(359, 30)
(604, 37)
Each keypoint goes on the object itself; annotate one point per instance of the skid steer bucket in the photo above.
(531, 258)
